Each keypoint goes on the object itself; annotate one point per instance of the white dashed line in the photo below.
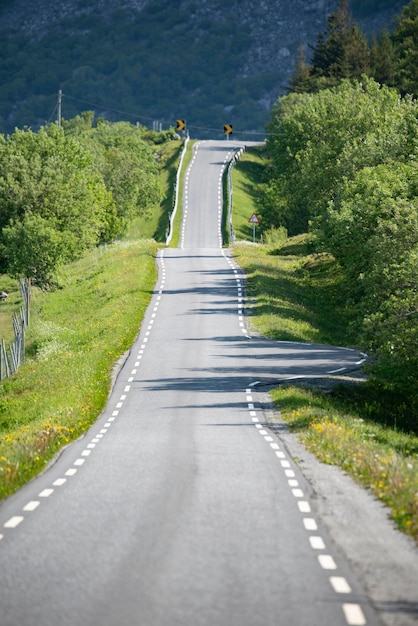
(339, 584)
(14, 521)
(45, 493)
(326, 562)
(310, 523)
(32, 505)
(317, 543)
(354, 615)
(59, 482)
(304, 507)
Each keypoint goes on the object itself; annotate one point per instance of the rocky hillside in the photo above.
(208, 61)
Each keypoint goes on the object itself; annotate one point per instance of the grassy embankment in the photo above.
(297, 296)
(76, 335)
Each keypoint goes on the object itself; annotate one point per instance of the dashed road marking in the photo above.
(353, 613)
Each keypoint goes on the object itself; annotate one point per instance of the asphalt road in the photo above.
(179, 506)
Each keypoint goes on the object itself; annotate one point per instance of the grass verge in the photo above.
(246, 175)
(63, 385)
(299, 296)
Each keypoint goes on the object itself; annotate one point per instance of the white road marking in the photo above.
(14, 521)
(79, 462)
(59, 482)
(71, 471)
(304, 507)
(354, 615)
(326, 561)
(45, 493)
(310, 523)
(339, 584)
(32, 505)
(298, 493)
(317, 543)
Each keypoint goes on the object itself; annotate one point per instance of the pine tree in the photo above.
(382, 59)
(342, 52)
(405, 40)
(300, 82)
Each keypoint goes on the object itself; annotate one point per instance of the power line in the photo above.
(151, 119)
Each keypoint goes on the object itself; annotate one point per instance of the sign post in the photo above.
(254, 219)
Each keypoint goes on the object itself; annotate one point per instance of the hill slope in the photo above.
(210, 62)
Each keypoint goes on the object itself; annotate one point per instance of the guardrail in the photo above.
(237, 155)
(176, 194)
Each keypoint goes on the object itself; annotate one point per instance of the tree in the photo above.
(373, 232)
(126, 163)
(317, 140)
(33, 247)
(342, 52)
(49, 175)
(300, 81)
(382, 59)
(405, 40)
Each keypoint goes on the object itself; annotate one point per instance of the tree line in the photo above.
(344, 51)
(343, 165)
(65, 190)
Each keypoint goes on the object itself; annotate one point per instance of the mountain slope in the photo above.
(210, 62)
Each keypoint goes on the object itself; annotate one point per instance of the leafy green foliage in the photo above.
(125, 161)
(65, 191)
(343, 162)
(316, 140)
(48, 175)
(373, 231)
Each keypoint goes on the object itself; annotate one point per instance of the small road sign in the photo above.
(227, 129)
(254, 219)
(181, 125)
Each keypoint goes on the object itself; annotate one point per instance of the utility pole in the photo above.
(59, 107)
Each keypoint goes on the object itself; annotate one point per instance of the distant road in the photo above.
(179, 507)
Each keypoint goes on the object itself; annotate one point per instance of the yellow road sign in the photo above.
(227, 129)
(181, 125)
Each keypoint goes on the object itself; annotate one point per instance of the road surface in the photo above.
(180, 507)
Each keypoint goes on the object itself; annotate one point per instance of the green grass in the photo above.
(246, 175)
(63, 385)
(382, 459)
(298, 296)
